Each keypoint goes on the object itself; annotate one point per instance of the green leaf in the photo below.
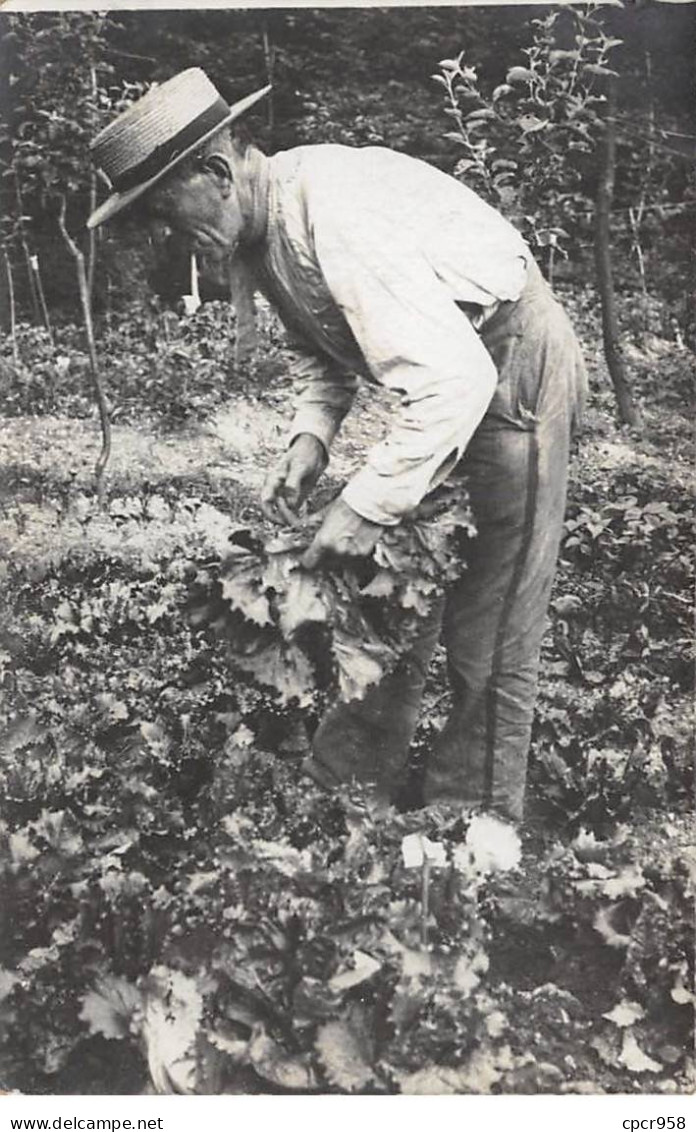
(469, 969)
(156, 738)
(680, 992)
(284, 668)
(22, 849)
(314, 1000)
(273, 1064)
(58, 829)
(364, 966)
(157, 508)
(110, 1009)
(596, 69)
(485, 114)
(604, 925)
(242, 588)
(492, 845)
(358, 670)
(341, 1054)
(530, 124)
(286, 542)
(633, 1057)
(518, 75)
(25, 732)
(418, 595)
(382, 585)
(625, 1013)
(172, 1014)
(561, 56)
(112, 709)
(302, 603)
(430, 1081)
(285, 858)
(477, 1075)
(8, 981)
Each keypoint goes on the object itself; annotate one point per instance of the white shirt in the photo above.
(367, 254)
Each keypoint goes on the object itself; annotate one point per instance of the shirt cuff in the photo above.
(373, 497)
(317, 421)
(387, 499)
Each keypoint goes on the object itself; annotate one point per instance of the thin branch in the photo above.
(92, 246)
(79, 258)
(629, 136)
(269, 54)
(130, 55)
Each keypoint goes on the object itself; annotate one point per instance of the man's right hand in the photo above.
(291, 480)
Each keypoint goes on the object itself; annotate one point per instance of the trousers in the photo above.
(492, 619)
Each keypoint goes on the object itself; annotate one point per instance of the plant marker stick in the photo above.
(25, 247)
(425, 900)
(42, 298)
(195, 292)
(13, 315)
(192, 301)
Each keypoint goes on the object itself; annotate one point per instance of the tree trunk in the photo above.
(628, 413)
(93, 363)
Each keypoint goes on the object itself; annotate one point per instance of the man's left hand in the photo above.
(342, 533)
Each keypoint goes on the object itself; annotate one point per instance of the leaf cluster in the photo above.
(337, 630)
(614, 723)
(61, 91)
(181, 894)
(177, 368)
(524, 142)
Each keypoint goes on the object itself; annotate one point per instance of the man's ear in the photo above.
(219, 166)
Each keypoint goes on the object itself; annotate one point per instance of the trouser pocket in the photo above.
(537, 355)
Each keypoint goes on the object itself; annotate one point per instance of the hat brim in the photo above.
(118, 202)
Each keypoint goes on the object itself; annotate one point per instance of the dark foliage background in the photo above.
(356, 77)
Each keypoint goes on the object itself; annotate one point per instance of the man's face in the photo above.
(199, 207)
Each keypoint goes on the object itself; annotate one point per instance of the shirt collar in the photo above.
(251, 174)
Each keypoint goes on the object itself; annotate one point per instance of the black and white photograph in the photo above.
(346, 552)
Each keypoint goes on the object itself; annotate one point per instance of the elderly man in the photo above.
(387, 269)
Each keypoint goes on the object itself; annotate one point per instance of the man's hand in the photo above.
(343, 532)
(291, 480)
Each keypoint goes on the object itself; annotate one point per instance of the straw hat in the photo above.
(157, 132)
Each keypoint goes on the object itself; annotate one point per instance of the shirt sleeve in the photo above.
(415, 341)
(325, 395)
